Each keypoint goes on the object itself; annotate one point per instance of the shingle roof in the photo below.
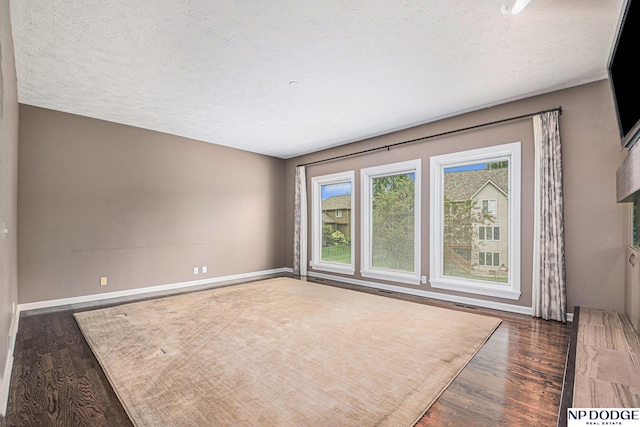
(336, 202)
(460, 186)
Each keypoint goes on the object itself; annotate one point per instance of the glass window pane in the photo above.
(393, 222)
(492, 207)
(336, 222)
(480, 193)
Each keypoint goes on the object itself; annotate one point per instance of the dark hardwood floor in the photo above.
(56, 380)
(514, 380)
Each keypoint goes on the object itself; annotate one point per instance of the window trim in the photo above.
(316, 222)
(510, 152)
(366, 175)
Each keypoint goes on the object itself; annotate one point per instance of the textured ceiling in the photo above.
(289, 77)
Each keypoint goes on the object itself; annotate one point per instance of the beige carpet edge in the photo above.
(104, 370)
(435, 398)
(92, 345)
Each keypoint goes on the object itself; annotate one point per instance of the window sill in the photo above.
(478, 287)
(392, 276)
(333, 267)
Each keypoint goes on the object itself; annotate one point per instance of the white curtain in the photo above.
(549, 287)
(300, 224)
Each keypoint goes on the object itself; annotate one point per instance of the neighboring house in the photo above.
(487, 249)
(336, 214)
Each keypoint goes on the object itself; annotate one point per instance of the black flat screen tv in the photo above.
(624, 74)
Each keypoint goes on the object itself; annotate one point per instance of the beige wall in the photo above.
(143, 208)
(8, 183)
(139, 207)
(596, 227)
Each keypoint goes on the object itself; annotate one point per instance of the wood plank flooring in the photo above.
(514, 380)
(56, 380)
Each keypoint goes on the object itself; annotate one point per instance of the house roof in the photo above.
(464, 185)
(336, 202)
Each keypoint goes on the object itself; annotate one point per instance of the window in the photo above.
(490, 206)
(333, 223)
(391, 222)
(489, 259)
(487, 233)
(475, 247)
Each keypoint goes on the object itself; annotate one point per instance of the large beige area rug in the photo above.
(281, 352)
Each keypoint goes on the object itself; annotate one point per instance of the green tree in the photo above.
(326, 235)
(338, 238)
(393, 222)
(504, 164)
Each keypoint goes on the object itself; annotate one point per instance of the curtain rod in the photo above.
(388, 147)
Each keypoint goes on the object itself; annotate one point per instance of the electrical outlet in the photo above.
(424, 279)
(195, 270)
(204, 269)
(103, 281)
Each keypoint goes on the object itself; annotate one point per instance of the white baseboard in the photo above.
(6, 376)
(512, 308)
(147, 290)
(6, 380)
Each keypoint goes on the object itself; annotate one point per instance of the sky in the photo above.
(340, 189)
(344, 188)
(478, 166)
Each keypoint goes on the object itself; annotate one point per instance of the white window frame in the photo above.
(317, 263)
(510, 152)
(366, 176)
